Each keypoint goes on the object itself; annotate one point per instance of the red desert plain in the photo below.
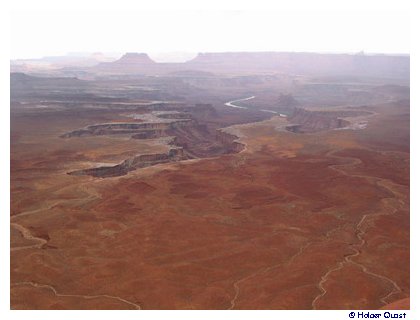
(209, 185)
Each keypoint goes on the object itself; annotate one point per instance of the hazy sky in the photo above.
(349, 26)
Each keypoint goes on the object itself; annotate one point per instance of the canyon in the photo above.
(187, 137)
(232, 181)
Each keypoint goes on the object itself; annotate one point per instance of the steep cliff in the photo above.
(119, 128)
(310, 121)
(140, 161)
(192, 137)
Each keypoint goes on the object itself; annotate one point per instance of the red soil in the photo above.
(295, 221)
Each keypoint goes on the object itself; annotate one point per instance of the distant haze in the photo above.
(184, 33)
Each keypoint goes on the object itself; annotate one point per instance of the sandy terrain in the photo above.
(294, 221)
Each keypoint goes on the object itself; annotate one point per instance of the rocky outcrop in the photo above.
(121, 128)
(345, 113)
(229, 140)
(311, 121)
(201, 141)
(140, 161)
(177, 115)
(295, 128)
(149, 134)
(190, 138)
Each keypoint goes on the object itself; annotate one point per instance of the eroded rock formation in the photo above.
(190, 138)
(139, 161)
(311, 121)
(122, 128)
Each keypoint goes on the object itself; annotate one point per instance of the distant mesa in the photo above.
(135, 58)
(129, 63)
(304, 63)
(69, 60)
(293, 63)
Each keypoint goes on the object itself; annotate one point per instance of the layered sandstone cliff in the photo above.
(139, 161)
(189, 138)
(311, 121)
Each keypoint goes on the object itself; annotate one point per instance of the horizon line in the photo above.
(81, 54)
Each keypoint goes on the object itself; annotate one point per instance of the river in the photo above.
(231, 104)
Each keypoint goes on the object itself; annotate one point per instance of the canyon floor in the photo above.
(254, 217)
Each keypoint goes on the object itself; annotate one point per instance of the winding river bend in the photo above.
(233, 105)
